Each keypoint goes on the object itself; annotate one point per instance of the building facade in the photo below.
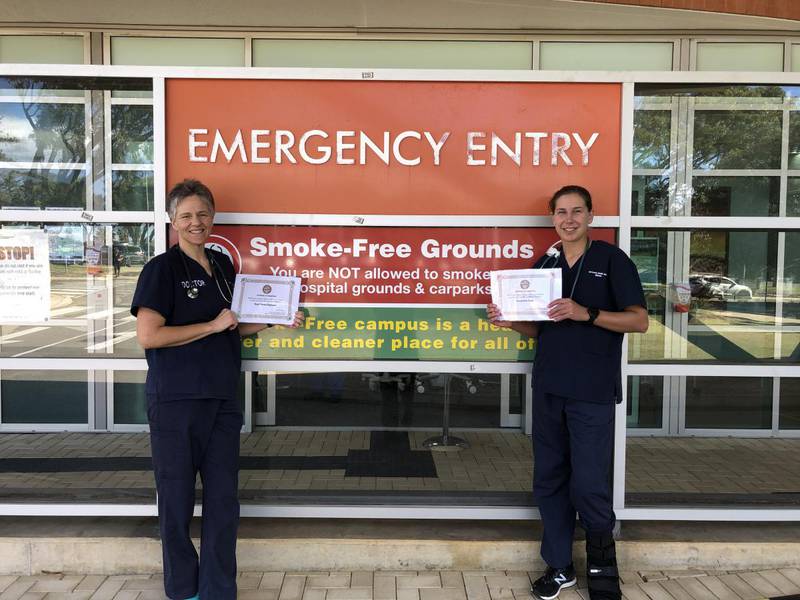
(707, 203)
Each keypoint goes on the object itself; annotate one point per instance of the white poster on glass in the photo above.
(24, 276)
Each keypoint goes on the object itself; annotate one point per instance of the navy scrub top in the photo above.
(575, 359)
(205, 368)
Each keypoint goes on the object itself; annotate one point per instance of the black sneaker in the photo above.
(550, 584)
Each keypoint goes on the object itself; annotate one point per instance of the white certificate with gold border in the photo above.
(266, 299)
(523, 294)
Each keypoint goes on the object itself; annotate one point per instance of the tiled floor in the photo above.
(494, 462)
(413, 585)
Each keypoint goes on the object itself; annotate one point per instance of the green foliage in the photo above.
(42, 188)
(651, 133)
(132, 139)
(737, 139)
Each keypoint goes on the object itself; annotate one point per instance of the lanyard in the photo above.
(580, 266)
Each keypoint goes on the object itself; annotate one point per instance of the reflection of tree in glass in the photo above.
(650, 195)
(4, 138)
(708, 252)
(739, 139)
(793, 197)
(132, 139)
(57, 131)
(132, 190)
(651, 135)
(794, 139)
(735, 196)
(42, 188)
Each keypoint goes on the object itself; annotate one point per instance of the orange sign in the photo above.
(379, 147)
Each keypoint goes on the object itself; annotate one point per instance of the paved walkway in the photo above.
(413, 585)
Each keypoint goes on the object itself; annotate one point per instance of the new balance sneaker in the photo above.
(550, 584)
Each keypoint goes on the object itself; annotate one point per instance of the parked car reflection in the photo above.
(707, 285)
(131, 254)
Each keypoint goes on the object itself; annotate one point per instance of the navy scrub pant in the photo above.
(187, 437)
(572, 446)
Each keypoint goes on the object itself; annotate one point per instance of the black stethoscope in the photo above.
(216, 273)
(553, 254)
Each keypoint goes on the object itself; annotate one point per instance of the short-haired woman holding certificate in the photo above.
(192, 342)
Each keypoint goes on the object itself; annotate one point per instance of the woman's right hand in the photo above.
(495, 316)
(226, 319)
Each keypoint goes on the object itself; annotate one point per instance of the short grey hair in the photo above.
(184, 189)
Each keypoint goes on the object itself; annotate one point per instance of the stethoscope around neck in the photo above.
(216, 274)
(553, 253)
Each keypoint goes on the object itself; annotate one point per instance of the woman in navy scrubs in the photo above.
(576, 383)
(192, 342)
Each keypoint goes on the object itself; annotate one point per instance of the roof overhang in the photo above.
(379, 15)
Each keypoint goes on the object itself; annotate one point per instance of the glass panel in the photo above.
(42, 188)
(732, 282)
(517, 390)
(790, 337)
(58, 49)
(132, 190)
(741, 139)
(212, 52)
(650, 195)
(46, 131)
(645, 402)
(730, 296)
(131, 134)
(649, 254)
(386, 399)
(793, 197)
(722, 56)
(716, 93)
(794, 141)
(735, 196)
(606, 56)
(651, 139)
(790, 403)
(392, 54)
(130, 401)
(42, 132)
(44, 397)
(90, 293)
(728, 470)
(355, 437)
(722, 137)
(728, 403)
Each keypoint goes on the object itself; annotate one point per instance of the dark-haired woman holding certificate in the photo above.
(576, 382)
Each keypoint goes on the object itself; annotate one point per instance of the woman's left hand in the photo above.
(299, 319)
(567, 308)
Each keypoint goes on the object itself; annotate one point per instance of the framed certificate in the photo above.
(523, 294)
(266, 299)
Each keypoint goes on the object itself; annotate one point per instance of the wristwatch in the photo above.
(593, 312)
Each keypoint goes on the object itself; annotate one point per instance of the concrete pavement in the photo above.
(413, 585)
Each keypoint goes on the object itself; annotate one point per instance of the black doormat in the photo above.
(390, 455)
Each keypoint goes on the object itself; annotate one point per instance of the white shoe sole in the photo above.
(563, 585)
